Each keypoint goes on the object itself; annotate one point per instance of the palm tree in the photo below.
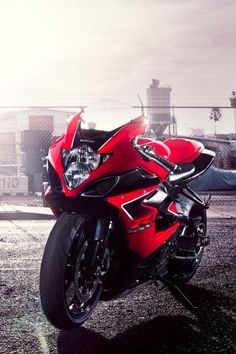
(233, 99)
(233, 104)
(215, 115)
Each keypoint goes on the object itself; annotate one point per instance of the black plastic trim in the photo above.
(123, 183)
(92, 137)
(97, 207)
(201, 164)
(54, 179)
(135, 209)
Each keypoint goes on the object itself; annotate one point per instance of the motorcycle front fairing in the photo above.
(117, 144)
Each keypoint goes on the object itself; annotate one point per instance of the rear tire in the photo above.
(68, 291)
(181, 271)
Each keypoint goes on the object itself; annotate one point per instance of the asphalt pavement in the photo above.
(149, 320)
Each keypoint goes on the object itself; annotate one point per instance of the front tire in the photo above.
(69, 288)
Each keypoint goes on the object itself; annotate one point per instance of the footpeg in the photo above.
(205, 241)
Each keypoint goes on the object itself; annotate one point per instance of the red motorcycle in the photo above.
(125, 216)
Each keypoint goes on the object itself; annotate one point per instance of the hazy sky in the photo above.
(74, 51)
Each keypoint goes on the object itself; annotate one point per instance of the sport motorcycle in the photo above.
(125, 213)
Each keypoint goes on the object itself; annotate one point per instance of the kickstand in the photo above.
(175, 289)
(157, 284)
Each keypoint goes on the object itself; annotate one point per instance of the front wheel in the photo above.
(70, 286)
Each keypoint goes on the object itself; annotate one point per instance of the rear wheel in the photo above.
(70, 286)
(189, 249)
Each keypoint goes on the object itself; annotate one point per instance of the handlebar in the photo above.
(158, 159)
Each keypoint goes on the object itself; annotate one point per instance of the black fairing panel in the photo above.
(97, 206)
(203, 162)
(136, 209)
(53, 178)
(124, 183)
(95, 138)
(200, 164)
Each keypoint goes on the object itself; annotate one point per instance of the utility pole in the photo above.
(233, 104)
(141, 102)
(174, 121)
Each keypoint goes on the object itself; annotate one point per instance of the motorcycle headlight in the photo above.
(78, 163)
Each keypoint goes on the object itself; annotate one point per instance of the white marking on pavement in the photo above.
(42, 339)
(20, 260)
(13, 269)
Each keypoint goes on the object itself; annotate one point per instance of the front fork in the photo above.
(99, 243)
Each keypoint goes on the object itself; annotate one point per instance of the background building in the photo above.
(160, 118)
(25, 136)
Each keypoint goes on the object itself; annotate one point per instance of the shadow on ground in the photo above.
(208, 329)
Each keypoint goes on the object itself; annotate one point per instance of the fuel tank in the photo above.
(183, 150)
(176, 150)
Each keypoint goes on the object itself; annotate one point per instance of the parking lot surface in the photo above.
(149, 320)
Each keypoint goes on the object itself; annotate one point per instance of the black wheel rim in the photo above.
(185, 269)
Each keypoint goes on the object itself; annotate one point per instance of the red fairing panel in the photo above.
(146, 241)
(172, 209)
(71, 130)
(183, 150)
(154, 169)
(145, 244)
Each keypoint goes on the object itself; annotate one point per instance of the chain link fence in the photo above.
(27, 132)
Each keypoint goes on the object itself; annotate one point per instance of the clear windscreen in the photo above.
(108, 115)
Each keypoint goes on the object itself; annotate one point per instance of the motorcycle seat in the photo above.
(186, 170)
